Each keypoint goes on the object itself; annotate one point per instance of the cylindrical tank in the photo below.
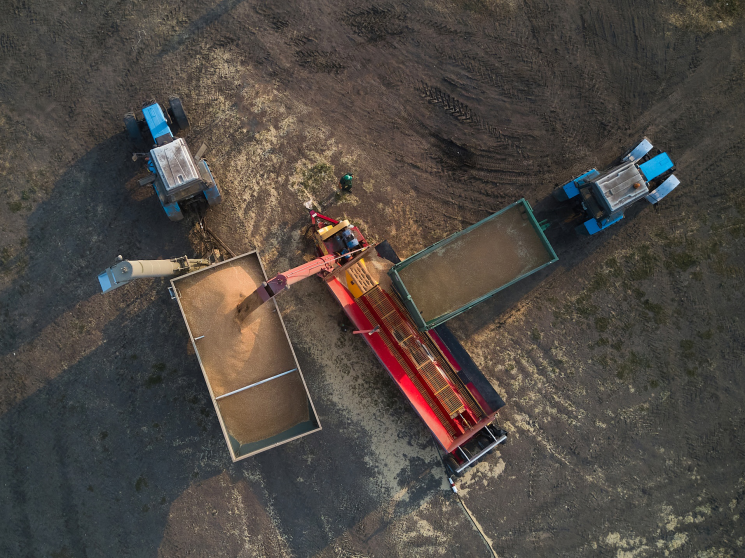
(138, 269)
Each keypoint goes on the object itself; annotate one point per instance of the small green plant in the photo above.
(140, 483)
(602, 323)
(316, 176)
(535, 334)
(599, 281)
(681, 261)
(729, 8)
(584, 307)
(659, 314)
(153, 380)
(15, 206)
(638, 293)
(643, 263)
(21, 264)
(687, 346)
(603, 360)
(629, 367)
(614, 267)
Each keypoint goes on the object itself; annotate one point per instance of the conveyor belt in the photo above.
(421, 360)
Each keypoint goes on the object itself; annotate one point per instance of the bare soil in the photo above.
(621, 365)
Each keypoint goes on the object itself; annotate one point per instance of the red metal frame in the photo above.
(314, 215)
(456, 424)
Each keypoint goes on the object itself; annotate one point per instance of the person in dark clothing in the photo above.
(345, 183)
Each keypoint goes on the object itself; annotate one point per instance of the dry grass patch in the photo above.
(706, 16)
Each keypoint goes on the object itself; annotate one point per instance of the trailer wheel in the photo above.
(133, 128)
(451, 466)
(483, 441)
(179, 114)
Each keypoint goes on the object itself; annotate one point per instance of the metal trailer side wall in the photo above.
(261, 357)
(449, 269)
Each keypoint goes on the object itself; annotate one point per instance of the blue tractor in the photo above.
(177, 177)
(606, 196)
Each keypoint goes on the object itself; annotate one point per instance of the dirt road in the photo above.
(620, 365)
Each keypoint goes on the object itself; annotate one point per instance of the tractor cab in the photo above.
(178, 178)
(606, 196)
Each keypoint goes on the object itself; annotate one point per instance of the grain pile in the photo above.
(378, 268)
(265, 410)
(233, 356)
(474, 264)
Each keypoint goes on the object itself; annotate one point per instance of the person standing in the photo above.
(345, 183)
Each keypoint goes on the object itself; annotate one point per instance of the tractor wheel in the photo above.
(133, 128)
(179, 114)
(451, 466)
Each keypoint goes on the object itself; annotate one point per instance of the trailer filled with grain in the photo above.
(252, 374)
(472, 265)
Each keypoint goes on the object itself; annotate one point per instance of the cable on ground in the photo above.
(460, 500)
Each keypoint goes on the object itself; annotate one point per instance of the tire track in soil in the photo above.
(319, 61)
(376, 23)
(462, 112)
(487, 168)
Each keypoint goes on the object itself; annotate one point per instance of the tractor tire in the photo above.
(179, 114)
(451, 466)
(133, 128)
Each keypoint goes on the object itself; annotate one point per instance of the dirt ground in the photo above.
(621, 364)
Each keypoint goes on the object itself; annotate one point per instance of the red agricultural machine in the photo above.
(428, 364)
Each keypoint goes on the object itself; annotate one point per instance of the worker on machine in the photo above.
(345, 183)
(351, 245)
